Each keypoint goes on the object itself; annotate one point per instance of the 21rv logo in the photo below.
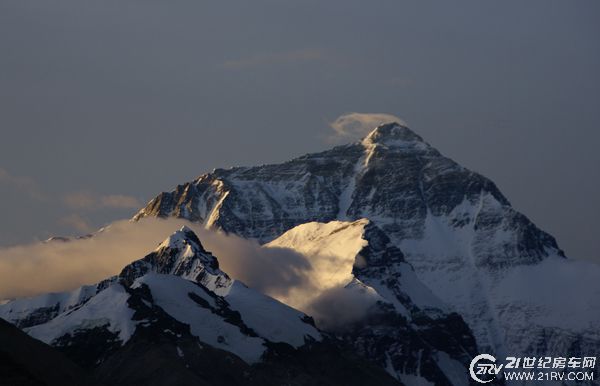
(484, 372)
(483, 369)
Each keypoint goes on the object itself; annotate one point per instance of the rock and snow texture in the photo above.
(108, 309)
(358, 253)
(180, 279)
(29, 312)
(404, 327)
(477, 254)
(182, 254)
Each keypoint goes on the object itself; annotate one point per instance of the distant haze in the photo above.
(103, 104)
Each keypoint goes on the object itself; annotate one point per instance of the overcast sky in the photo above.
(103, 104)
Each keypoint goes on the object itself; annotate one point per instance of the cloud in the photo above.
(120, 201)
(354, 126)
(340, 308)
(315, 283)
(28, 270)
(400, 81)
(73, 200)
(23, 184)
(330, 293)
(274, 271)
(79, 200)
(267, 59)
(92, 201)
(77, 222)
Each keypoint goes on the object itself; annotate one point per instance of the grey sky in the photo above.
(107, 98)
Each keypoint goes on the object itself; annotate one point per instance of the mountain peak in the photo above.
(183, 238)
(392, 134)
(181, 254)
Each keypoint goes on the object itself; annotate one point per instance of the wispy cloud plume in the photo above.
(24, 184)
(91, 201)
(76, 222)
(274, 58)
(354, 126)
(75, 205)
(120, 201)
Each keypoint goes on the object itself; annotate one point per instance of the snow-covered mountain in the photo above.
(176, 294)
(185, 281)
(406, 329)
(506, 277)
(418, 264)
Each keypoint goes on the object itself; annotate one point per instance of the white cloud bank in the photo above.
(32, 269)
(311, 282)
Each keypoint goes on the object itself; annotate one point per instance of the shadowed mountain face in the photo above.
(466, 243)
(27, 361)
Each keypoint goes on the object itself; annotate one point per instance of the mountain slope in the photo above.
(174, 317)
(185, 281)
(461, 235)
(26, 361)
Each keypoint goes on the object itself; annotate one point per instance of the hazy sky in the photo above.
(103, 104)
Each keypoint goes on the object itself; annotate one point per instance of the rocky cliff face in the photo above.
(476, 253)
